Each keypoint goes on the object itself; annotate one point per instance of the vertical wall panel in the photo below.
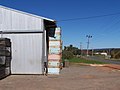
(13, 20)
(26, 53)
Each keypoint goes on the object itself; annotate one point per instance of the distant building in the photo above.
(103, 53)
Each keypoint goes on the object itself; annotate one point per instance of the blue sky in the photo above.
(105, 30)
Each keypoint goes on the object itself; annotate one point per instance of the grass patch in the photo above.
(79, 60)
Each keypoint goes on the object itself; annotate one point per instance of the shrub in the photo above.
(67, 54)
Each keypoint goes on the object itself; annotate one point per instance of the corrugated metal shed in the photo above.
(28, 37)
(26, 53)
(17, 20)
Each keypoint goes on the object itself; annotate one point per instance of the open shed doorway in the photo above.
(49, 27)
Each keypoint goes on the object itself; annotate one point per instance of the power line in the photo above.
(109, 30)
(90, 17)
(113, 24)
(109, 23)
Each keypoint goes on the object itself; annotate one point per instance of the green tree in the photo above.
(67, 54)
(70, 52)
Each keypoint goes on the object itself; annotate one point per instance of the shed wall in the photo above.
(28, 37)
(14, 20)
(26, 53)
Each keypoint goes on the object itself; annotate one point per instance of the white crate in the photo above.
(54, 64)
(54, 43)
(53, 70)
(55, 50)
(54, 57)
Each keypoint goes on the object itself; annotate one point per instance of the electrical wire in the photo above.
(107, 29)
(111, 21)
(90, 17)
(98, 16)
(110, 30)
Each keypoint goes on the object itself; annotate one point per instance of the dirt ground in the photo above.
(72, 78)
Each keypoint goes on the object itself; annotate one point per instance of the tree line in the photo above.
(71, 51)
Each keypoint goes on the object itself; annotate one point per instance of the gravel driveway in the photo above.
(72, 78)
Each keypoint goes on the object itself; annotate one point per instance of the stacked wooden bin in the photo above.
(55, 53)
(5, 57)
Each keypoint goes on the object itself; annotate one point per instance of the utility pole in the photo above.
(92, 51)
(81, 48)
(88, 37)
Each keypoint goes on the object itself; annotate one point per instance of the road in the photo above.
(103, 60)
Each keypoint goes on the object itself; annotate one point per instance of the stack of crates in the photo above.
(55, 53)
(5, 57)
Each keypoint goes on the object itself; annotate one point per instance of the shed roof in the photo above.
(33, 15)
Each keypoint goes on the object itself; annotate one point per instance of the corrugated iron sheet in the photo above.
(28, 50)
(14, 20)
(26, 53)
(11, 19)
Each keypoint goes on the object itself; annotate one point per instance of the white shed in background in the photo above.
(29, 39)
